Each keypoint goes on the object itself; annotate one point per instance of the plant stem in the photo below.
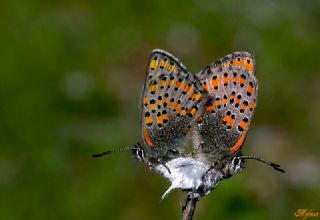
(188, 208)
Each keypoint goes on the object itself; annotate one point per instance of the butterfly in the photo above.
(170, 102)
(229, 89)
(214, 108)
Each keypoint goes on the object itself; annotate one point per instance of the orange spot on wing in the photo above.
(171, 105)
(250, 89)
(145, 101)
(239, 143)
(198, 96)
(243, 124)
(153, 88)
(153, 64)
(174, 69)
(238, 101)
(242, 80)
(225, 101)
(214, 83)
(225, 79)
(253, 105)
(205, 87)
(229, 121)
(187, 88)
(211, 108)
(159, 120)
(183, 112)
(163, 64)
(235, 79)
(237, 62)
(165, 117)
(165, 100)
(248, 66)
(243, 107)
(170, 67)
(163, 83)
(153, 107)
(218, 102)
(193, 111)
(148, 120)
(171, 82)
(177, 106)
(178, 84)
(147, 137)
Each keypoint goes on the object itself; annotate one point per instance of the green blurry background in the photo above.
(70, 80)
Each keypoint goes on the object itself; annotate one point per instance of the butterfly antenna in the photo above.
(113, 151)
(270, 164)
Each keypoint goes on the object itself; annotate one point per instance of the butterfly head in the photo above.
(233, 166)
(138, 152)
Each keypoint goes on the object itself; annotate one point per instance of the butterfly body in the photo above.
(196, 177)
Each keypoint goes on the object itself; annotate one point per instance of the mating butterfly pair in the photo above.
(213, 109)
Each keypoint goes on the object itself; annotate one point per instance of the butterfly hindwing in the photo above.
(231, 87)
(171, 99)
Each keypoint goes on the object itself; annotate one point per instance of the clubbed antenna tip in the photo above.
(112, 152)
(270, 164)
(102, 154)
(277, 167)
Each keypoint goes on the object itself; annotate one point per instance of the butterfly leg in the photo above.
(163, 164)
(193, 194)
(206, 173)
(153, 165)
(173, 186)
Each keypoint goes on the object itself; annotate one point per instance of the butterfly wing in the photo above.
(231, 86)
(171, 99)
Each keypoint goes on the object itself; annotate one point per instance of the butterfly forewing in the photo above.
(171, 99)
(231, 87)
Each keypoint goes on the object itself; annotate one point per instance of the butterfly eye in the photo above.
(236, 161)
(139, 154)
